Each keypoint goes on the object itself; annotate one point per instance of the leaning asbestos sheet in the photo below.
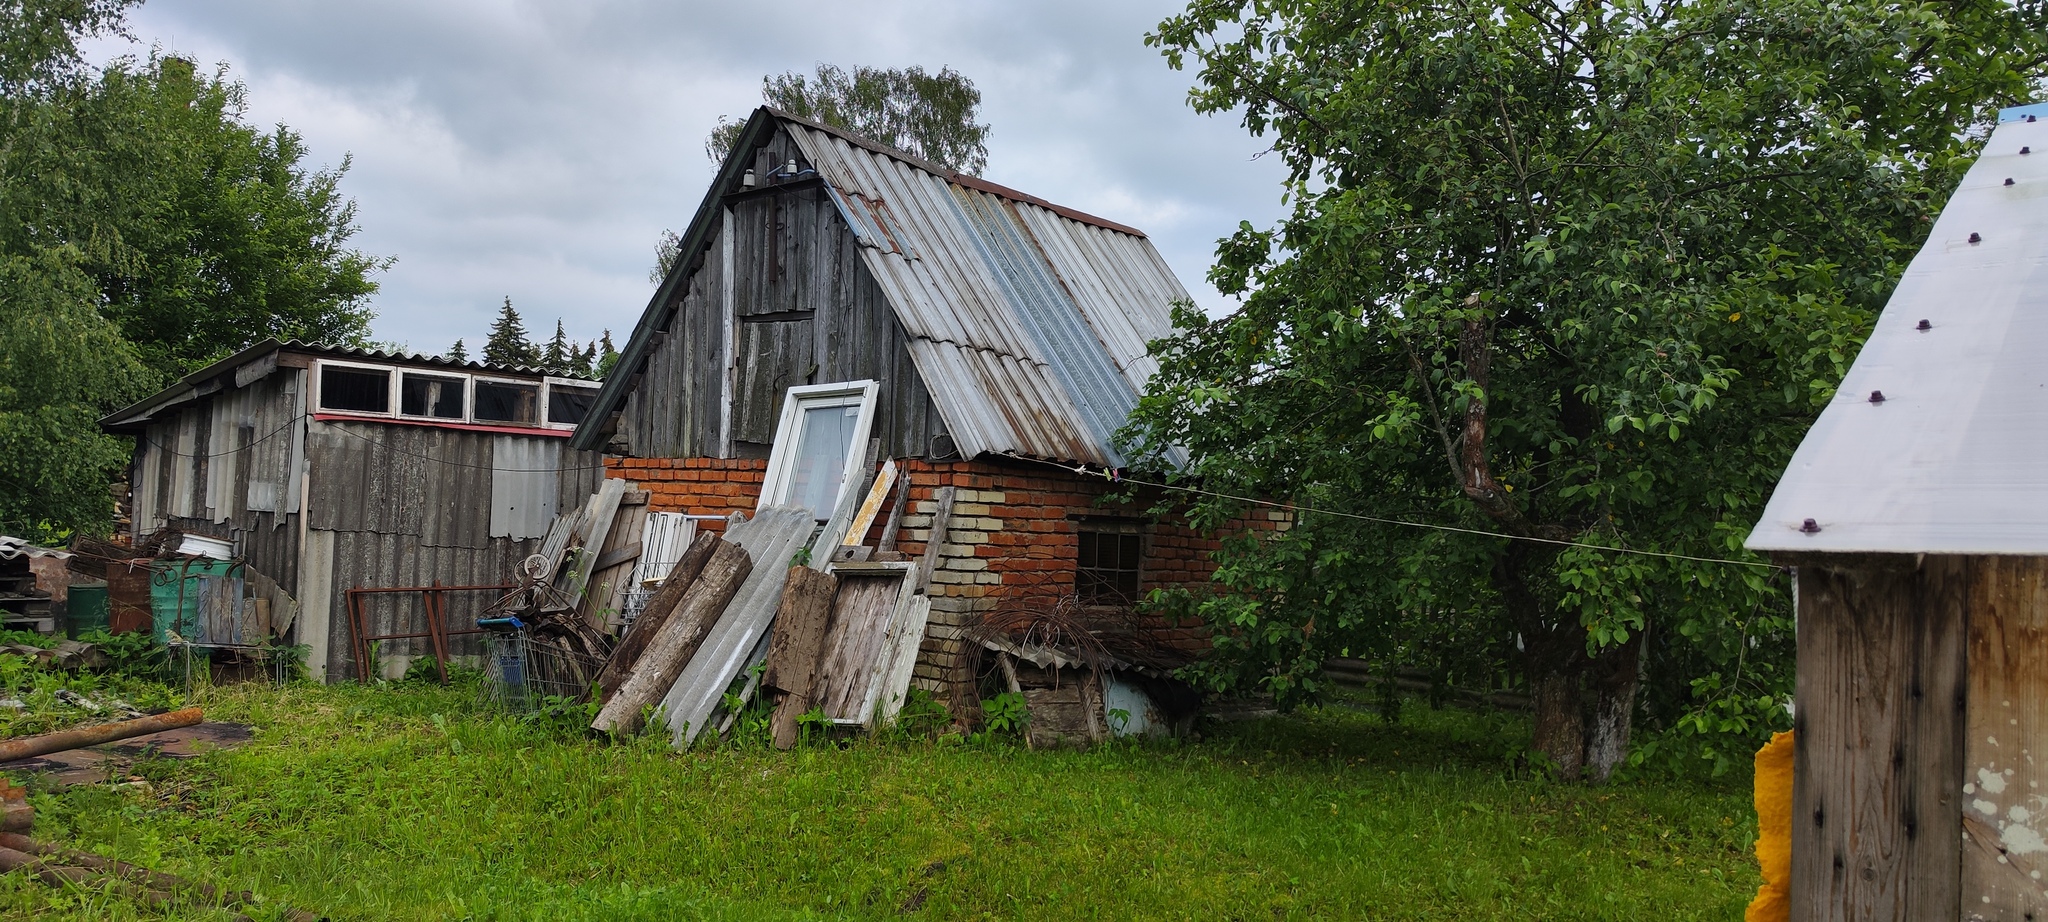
(772, 537)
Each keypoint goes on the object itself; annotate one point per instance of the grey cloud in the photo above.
(538, 149)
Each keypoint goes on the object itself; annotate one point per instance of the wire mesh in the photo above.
(522, 670)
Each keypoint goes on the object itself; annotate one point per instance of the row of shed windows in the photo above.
(451, 397)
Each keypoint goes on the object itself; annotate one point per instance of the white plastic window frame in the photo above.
(319, 388)
(782, 458)
(548, 396)
(540, 405)
(468, 394)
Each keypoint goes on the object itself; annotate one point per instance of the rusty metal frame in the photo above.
(437, 632)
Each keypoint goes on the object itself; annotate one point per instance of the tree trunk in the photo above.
(1553, 661)
(1613, 685)
(1560, 724)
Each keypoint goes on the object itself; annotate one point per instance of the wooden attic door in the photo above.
(782, 243)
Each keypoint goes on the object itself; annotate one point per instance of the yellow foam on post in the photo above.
(1773, 831)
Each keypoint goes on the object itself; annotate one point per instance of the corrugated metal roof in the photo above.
(202, 381)
(1952, 459)
(1028, 321)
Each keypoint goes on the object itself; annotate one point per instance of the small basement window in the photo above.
(1106, 571)
(507, 402)
(432, 396)
(352, 389)
(569, 403)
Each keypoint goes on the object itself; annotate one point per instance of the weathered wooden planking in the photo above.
(854, 638)
(1876, 799)
(2005, 788)
(864, 518)
(612, 575)
(793, 650)
(791, 255)
(680, 577)
(597, 527)
(901, 660)
(773, 357)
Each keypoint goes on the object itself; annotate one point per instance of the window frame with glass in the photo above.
(782, 474)
(320, 388)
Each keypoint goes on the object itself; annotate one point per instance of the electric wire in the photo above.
(1117, 476)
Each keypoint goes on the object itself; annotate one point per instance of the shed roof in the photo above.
(1029, 321)
(209, 379)
(1954, 458)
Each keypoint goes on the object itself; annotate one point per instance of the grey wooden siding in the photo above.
(805, 311)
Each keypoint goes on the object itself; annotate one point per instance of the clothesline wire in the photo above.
(1117, 476)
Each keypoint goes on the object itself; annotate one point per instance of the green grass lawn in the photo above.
(409, 803)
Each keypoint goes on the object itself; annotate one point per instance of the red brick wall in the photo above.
(1013, 538)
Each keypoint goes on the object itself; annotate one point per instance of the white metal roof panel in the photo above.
(1955, 458)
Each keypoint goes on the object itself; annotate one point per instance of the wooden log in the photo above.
(793, 649)
(30, 747)
(659, 608)
(670, 650)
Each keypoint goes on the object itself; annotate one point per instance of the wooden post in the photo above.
(2004, 782)
(670, 650)
(659, 608)
(793, 650)
(1878, 756)
(942, 524)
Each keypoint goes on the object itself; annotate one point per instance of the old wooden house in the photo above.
(1916, 513)
(835, 298)
(331, 469)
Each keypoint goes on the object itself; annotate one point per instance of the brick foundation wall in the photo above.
(1014, 537)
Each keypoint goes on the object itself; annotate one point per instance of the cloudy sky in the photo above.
(537, 150)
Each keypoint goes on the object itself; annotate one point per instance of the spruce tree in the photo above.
(607, 356)
(560, 352)
(458, 352)
(507, 345)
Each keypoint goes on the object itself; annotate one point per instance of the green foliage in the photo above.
(39, 38)
(1580, 273)
(1005, 714)
(360, 801)
(508, 345)
(927, 115)
(135, 654)
(62, 366)
(202, 234)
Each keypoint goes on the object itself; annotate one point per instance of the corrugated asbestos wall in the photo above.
(805, 311)
(387, 505)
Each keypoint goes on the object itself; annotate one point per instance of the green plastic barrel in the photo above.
(174, 594)
(87, 609)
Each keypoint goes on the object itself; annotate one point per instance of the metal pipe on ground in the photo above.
(32, 746)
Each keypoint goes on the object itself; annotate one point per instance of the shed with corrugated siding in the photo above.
(335, 468)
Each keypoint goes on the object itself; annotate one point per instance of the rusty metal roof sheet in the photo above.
(1028, 321)
(1948, 459)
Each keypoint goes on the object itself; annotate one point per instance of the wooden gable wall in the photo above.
(801, 308)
